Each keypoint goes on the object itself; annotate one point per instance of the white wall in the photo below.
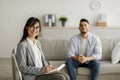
(14, 13)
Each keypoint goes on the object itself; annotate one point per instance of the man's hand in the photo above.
(82, 58)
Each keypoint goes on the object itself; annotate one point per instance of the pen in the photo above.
(48, 62)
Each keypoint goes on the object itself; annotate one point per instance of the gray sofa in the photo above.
(55, 51)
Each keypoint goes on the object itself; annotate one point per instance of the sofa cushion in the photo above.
(106, 68)
(115, 57)
(54, 49)
(107, 46)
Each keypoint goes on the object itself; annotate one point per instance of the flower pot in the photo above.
(63, 23)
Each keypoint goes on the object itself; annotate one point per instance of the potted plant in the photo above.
(63, 20)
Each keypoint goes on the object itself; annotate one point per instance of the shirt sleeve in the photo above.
(97, 52)
(71, 48)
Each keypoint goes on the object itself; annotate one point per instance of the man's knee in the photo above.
(96, 63)
(69, 61)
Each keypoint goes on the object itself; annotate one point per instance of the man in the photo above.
(85, 50)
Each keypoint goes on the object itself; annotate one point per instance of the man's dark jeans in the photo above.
(94, 65)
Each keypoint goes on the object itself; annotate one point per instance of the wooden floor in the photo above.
(5, 69)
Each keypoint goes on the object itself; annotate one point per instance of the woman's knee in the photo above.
(66, 76)
(62, 76)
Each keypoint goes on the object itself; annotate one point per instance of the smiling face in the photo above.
(83, 27)
(34, 30)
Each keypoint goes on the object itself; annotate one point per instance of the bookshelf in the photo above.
(68, 32)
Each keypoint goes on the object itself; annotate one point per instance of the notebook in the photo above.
(57, 69)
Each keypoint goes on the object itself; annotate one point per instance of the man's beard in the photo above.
(83, 32)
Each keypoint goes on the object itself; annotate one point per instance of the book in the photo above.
(56, 69)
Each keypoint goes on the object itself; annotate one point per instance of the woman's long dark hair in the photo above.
(30, 22)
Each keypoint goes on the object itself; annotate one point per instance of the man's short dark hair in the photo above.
(84, 20)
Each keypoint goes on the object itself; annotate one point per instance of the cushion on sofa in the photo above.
(54, 49)
(115, 56)
(107, 46)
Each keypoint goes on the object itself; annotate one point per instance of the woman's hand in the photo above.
(49, 68)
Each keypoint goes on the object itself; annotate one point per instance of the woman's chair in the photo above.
(16, 72)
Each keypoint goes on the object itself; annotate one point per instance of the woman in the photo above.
(30, 58)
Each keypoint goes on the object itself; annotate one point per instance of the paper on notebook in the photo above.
(57, 69)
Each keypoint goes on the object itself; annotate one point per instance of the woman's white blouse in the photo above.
(37, 53)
